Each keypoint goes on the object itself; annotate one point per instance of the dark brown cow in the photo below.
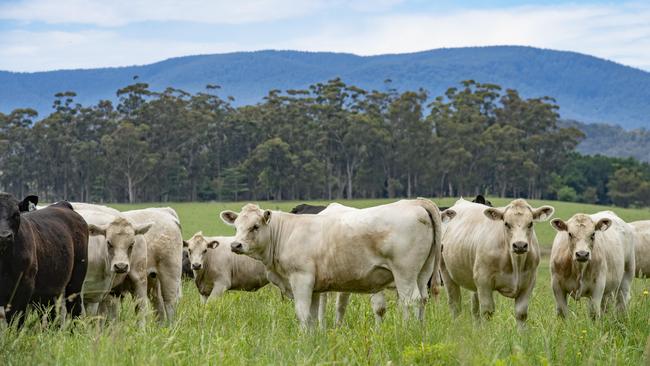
(43, 255)
(304, 208)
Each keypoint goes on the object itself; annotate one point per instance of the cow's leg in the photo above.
(155, 296)
(378, 301)
(302, 287)
(139, 293)
(486, 300)
(453, 292)
(521, 304)
(560, 299)
(91, 308)
(218, 289)
(409, 293)
(322, 310)
(596, 299)
(342, 301)
(170, 280)
(623, 294)
(314, 308)
(475, 305)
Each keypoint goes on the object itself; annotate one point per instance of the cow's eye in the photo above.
(508, 226)
(530, 226)
(593, 236)
(110, 245)
(570, 235)
(189, 251)
(255, 227)
(131, 246)
(205, 251)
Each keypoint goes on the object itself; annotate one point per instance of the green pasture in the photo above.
(261, 329)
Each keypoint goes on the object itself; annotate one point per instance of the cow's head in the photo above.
(28, 204)
(9, 221)
(581, 231)
(480, 199)
(120, 239)
(197, 247)
(518, 218)
(253, 232)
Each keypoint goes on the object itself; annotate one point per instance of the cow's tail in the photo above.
(435, 254)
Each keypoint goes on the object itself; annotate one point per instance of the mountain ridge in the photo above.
(587, 88)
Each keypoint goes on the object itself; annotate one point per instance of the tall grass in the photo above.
(261, 328)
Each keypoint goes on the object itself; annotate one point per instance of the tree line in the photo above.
(328, 141)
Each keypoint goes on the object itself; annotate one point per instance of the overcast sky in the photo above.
(40, 35)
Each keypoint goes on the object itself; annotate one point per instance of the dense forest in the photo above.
(331, 140)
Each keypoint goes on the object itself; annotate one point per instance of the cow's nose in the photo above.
(6, 235)
(196, 266)
(121, 267)
(236, 247)
(520, 247)
(582, 256)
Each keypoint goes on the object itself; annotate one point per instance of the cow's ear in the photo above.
(266, 216)
(480, 199)
(213, 244)
(493, 214)
(142, 229)
(489, 203)
(28, 204)
(447, 215)
(543, 213)
(559, 225)
(96, 230)
(185, 244)
(603, 224)
(229, 217)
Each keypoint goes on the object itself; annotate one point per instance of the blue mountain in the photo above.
(587, 88)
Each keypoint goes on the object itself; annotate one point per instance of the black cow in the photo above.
(187, 265)
(304, 208)
(43, 255)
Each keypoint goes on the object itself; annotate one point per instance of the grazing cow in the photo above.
(356, 251)
(492, 249)
(642, 248)
(43, 256)
(164, 257)
(217, 269)
(593, 257)
(114, 254)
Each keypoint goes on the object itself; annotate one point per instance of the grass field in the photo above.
(261, 328)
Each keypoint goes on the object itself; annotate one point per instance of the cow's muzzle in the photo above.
(520, 247)
(6, 236)
(582, 256)
(237, 247)
(120, 267)
(197, 266)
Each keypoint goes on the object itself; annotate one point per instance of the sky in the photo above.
(40, 35)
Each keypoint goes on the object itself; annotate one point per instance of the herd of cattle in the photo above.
(80, 259)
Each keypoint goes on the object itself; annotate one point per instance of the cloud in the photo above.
(116, 13)
(619, 32)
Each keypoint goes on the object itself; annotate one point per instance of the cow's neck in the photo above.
(278, 230)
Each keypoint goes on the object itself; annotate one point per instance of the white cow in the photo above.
(356, 251)
(642, 248)
(217, 269)
(492, 249)
(164, 257)
(593, 257)
(114, 254)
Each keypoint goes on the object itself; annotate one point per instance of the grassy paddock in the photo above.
(261, 328)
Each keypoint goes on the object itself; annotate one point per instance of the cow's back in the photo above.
(61, 245)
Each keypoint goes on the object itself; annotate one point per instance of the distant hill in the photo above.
(613, 140)
(587, 88)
